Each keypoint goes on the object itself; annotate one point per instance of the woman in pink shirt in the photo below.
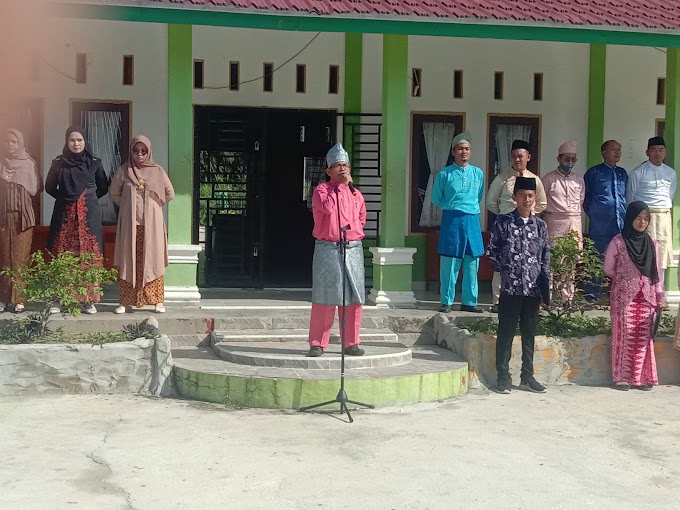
(632, 262)
(338, 194)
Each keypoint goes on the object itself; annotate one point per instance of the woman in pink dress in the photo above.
(632, 262)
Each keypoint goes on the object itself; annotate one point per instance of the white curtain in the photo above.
(505, 135)
(103, 137)
(438, 137)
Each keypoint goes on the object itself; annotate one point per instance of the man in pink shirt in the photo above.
(565, 191)
(337, 205)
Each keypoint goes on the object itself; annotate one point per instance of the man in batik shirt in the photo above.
(520, 252)
(499, 198)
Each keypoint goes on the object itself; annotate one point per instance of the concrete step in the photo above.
(294, 355)
(287, 321)
(432, 374)
(296, 334)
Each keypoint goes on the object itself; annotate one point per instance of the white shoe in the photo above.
(119, 310)
(55, 308)
(90, 308)
(19, 308)
(159, 308)
(3, 306)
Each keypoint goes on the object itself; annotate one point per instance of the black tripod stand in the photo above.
(341, 398)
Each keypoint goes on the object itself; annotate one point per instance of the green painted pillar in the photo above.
(672, 138)
(596, 96)
(180, 276)
(392, 261)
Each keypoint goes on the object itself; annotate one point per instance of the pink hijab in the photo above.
(148, 174)
(19, 167)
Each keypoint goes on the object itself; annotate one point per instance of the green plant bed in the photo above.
(27, 331)
(566, 326)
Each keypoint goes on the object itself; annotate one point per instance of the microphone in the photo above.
(352, 188)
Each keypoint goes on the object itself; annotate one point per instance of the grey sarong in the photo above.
(327, 274)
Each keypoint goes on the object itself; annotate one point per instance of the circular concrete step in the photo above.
(432, 374)
(293, 355)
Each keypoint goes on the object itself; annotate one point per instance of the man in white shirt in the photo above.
(654, 183)
(499, 198)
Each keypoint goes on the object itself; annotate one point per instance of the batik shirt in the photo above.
(520, 252)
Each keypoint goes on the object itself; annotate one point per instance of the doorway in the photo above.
(255, 170)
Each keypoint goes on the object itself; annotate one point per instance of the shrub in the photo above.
(65, 278)
(574, 263)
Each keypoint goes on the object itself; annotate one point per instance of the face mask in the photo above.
(566, 169)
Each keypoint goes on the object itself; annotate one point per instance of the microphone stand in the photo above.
(341, 398)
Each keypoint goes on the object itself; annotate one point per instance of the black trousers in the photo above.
(513, 310)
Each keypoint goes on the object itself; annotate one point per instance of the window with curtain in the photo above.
(503, 130)
(430, 152)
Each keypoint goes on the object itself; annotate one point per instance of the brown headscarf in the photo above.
(19, 167)
(148, 174)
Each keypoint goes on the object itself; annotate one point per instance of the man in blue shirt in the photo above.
(519, 250)
(458, 189)
(605, 203)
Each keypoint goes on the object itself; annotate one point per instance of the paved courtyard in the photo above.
(574, 447)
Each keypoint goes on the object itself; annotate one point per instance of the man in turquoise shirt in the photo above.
(458, 189)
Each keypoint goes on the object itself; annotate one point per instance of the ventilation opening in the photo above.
(268, 77)
(234, 81)
(538, 86)
(198, 74)
(416, 82)
(333, 79)
(301, 78)
(458, 84)
(35, 67)
(498, 85)
(128, 69)
(661, 91)
(81, 68)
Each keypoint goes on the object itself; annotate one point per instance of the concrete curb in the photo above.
(584, 361)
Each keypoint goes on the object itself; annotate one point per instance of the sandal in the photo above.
(159, 308)
(622, 386)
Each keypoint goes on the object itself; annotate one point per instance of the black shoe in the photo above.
(494, 309)
(532, 385)
(644, 387)
(315, 352)
(469, 308)
(355, 350)
(504, 386)
(445, 309)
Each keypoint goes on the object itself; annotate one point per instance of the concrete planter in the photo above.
(585, 361)
(141, 366)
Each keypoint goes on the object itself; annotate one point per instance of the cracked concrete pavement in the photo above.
(574, 447)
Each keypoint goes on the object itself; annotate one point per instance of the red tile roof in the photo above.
(648, 14)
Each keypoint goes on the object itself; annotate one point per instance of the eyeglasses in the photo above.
(141, 152)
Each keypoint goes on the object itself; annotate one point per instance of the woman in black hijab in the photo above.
(632, 262)
(76, 180)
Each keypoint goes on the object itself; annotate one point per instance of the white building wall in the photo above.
(630, 102)
(252, 48)
(563, 110)
(630, 106)
(105, 43)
